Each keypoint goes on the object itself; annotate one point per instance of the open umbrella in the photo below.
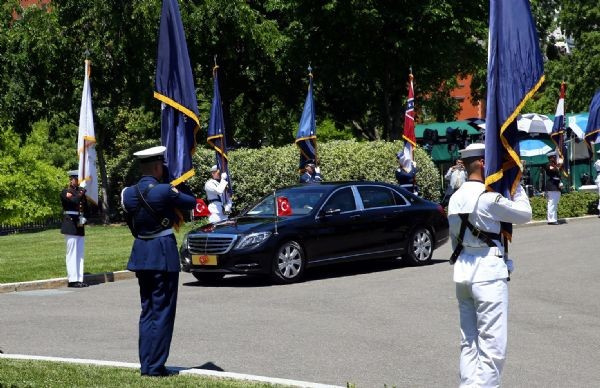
(477, 123)
(578, 123)
(535, 123)
(533, 147)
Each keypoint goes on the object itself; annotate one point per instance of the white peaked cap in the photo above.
(214, 168)
(472, 151)
(149, 154)
(74, 173)
(551, 153)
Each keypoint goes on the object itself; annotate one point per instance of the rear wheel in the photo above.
(288, 263)
(420, 247)
(208, 277)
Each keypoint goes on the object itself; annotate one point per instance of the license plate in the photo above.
(204, 259)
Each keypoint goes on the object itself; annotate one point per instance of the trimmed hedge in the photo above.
(256, 172)
(573, 204)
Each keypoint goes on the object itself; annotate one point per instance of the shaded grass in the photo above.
(41, 255)
(27, 373)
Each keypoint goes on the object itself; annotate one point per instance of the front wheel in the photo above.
(288, 263)
(420, 247)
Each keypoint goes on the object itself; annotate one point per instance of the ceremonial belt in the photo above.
(163, 233)
(71, 212)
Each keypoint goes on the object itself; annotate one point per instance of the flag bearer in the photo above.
(553, 186)
(215, 189)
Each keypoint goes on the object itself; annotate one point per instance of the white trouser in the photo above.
(553, 197)
(216, 212)
(74, 257)
(483, 308)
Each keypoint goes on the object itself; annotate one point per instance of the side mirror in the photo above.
(329, 213)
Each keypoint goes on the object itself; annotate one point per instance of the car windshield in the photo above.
(291, 202)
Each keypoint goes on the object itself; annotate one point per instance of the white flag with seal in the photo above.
(86, 141)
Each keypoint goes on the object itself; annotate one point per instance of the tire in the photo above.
(420, 247)
(289, 263)
(208, 277)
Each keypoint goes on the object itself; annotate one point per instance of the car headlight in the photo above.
(253, 239)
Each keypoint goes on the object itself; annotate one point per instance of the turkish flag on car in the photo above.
(283, 207)
(201, 210)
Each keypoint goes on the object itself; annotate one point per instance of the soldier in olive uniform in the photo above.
(74, 205)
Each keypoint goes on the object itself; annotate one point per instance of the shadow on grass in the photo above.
(331, 271)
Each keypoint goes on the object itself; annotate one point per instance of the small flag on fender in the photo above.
(283, 207)
(201, 210)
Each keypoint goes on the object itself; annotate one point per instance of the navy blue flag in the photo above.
(515, 72)
(558, 131)
(306, 138)
(175, 89)
(592, 131)
(216, 133)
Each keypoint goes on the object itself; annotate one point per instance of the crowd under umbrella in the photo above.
(535, 123)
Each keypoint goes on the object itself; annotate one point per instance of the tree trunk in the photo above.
(106, 211)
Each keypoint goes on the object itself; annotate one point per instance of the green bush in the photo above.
(573, 204)
(256, 172)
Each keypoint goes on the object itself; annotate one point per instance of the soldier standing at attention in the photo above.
(215, 188)
(481, 270)
(150, 210)
(74, 205)
(553, 186)
(312, 173)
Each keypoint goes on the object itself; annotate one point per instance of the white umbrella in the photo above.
(578, 123)
(535, 123)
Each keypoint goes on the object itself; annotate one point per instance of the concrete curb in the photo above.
(181, 370)
(108, 277)
(105, 277)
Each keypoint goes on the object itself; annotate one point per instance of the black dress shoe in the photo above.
(553, 223)
(164, 372)
(84, 284)
(74, 285)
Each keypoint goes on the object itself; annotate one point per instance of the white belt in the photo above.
(163, 233)
(483, 251)
(71, 212)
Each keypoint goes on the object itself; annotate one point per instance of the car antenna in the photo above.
(276, 215)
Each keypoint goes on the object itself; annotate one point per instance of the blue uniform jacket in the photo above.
(159, 253)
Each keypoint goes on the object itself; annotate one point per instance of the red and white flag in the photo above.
(283, 207)
(410, 140)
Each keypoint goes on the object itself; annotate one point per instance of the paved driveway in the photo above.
(369, 323)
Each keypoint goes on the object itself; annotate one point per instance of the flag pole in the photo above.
(276, 215)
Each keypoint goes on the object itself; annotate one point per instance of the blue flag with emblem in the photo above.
(592, 130)
(306, 138)
(515, 73)
(176, 91)
(216, 133)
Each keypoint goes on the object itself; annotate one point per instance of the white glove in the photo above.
(227, 208)
(510, 266)
(224, 176)
(318, 170)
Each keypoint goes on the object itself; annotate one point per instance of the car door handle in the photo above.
(355, 217)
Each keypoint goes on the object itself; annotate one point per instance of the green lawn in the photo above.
(24, 373)
(41, 255)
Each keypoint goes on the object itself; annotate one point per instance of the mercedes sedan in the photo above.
(306, 226)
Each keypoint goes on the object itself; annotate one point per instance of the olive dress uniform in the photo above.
(155, 260)
(73, 200)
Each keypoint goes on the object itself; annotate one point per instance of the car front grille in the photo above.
(214, 244)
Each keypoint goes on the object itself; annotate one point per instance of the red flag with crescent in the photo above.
(283, 207)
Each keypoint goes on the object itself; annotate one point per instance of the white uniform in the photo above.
(597, 167)
(480, 274)
(214, 194)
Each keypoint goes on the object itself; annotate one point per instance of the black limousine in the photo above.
(306, 226)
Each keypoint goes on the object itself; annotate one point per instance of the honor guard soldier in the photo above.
(553, 186)
(215, 189)
(406, 174)
(150, 208)
(312, 173)
(74, 205)
(481, 270)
